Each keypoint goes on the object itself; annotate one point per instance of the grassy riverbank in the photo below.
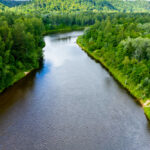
(117, 75)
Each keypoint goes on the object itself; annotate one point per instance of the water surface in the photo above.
(72, 103)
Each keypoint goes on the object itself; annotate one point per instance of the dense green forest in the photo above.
(21, 45)
(45, 6)
(122, 44)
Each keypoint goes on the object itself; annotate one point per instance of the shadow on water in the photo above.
(148, 126)
(19, 90)
(16, 92)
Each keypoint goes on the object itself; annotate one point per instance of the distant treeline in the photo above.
(45, 6)
(12, 3)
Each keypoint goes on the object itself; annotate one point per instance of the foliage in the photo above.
(20, 46)
(45, 6)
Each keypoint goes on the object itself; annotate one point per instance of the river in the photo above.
(72, 103)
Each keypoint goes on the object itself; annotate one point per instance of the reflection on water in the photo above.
(59, 54)
(71, 103)
(16, 92)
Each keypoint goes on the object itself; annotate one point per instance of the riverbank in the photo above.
(17, 77)
(64, 30)
(145, 104)
(23, 74)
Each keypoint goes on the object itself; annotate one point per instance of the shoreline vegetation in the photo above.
(116, 75)
(112, 73)
(20, 75)
(21, 44)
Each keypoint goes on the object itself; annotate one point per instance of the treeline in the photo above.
(12, 3)
(122, 44)
(81, 19)
(21, 45)
(46, 6)
(56, 21)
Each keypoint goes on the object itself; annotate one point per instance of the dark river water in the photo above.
(72, 103)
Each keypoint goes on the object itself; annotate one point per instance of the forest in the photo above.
(119, 30)
(21, 45)
(45, 6)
